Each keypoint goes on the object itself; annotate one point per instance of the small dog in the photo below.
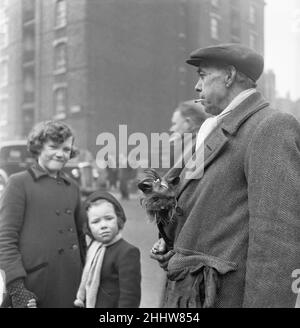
(159, 199)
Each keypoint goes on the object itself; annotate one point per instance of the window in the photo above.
(28, 83)
(253, 41)
(3, 27)
(28, 4)
(3, 112)
(60, 54)
(215, 3)
(60, 100)
(235, 24)
(214, 28)
(28, 86)
(235, 3)
(2, 13)
(29, 43)
(4, 35)
(3, 73)
(3, 4)
(28, 10)
(61, 13)
(252, 14)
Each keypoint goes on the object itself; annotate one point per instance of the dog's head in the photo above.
(159, 198)
(152, 182)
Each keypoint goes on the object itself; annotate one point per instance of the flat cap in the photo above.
(241, 57)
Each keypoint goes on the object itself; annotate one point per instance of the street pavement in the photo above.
(142, 233)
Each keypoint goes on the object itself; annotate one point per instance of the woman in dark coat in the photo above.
(41, 244)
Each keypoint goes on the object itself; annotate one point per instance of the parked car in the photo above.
(85, 174)
(3, 180)
(14, 157)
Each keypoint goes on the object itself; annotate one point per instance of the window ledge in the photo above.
(60, 116)
(59, 71)
(60, 27)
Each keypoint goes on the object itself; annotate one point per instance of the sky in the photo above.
(282, 45)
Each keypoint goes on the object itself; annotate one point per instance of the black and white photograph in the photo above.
(149, 156)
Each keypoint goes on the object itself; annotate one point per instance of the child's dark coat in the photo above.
(120, 277)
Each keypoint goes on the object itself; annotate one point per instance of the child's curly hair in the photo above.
(42, 132)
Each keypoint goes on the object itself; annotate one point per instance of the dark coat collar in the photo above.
(232, 122)
(37, 172)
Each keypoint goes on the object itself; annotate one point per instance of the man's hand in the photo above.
(20, 296)
(160, 254)
(160, 247)
(32, 303)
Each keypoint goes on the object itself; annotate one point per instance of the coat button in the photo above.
(74, 247)
(57, 212)
(68, 211)
(71, 229)
(60, 250)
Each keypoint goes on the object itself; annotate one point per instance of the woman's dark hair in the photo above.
(42, 132)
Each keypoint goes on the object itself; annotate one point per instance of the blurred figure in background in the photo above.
(126, 173)
(112, 173)
(187, 117)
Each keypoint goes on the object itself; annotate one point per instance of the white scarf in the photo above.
(90, 280)
(211, 123)
(195, 166)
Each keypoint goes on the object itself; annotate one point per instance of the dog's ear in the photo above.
(174, 181)
(151, 174)
(145, 187)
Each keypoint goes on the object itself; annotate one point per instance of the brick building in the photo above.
(270, 86)
(100, 63)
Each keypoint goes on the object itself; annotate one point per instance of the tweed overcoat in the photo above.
(120, 282)
(40, 231)
(242, 217)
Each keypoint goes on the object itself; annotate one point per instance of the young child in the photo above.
(112, 274)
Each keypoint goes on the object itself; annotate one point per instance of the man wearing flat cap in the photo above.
(240, 238)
